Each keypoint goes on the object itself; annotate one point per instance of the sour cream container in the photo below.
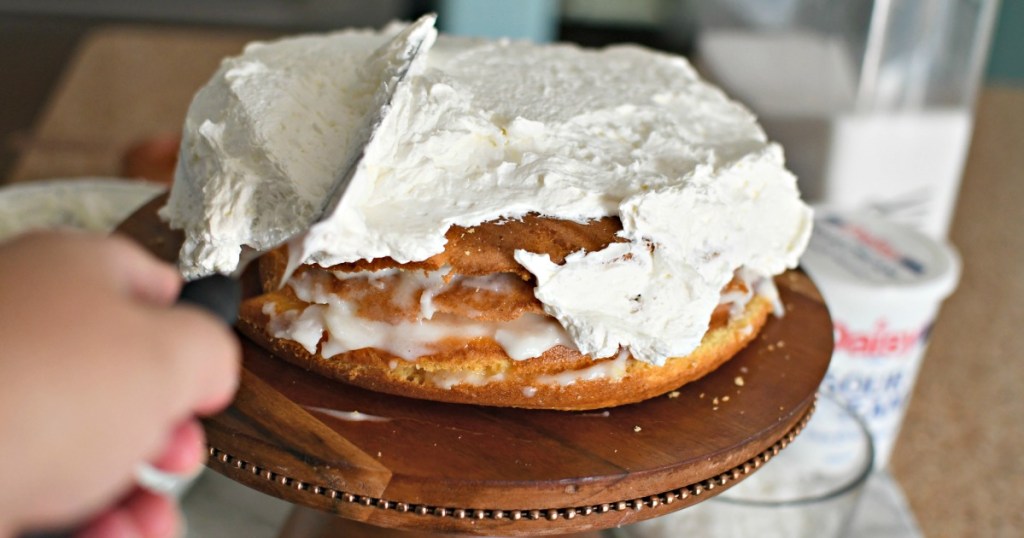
(884, 283)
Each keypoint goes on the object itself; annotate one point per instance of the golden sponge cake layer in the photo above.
(558, 379)
(478, 370)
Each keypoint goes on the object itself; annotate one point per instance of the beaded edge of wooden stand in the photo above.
(651, 501)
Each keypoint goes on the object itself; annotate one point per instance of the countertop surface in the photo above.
(958, 457)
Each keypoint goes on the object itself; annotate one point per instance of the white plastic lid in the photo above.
(864, 257)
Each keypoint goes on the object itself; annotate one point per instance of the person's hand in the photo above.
(99, 372)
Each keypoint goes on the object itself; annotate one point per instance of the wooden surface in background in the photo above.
(963, 425)
(124, 84)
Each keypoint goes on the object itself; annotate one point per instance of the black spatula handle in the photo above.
(220, 295)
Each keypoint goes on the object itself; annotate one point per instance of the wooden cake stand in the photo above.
(411, 464)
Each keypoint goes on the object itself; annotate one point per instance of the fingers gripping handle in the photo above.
(218, 294)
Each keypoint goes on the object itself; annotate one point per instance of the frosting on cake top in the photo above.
(485, 130)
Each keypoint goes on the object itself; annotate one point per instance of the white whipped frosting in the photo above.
(486, 130)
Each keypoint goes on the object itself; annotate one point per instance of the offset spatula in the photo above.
(221, 294)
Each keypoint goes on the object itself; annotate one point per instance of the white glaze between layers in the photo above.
(525, 337)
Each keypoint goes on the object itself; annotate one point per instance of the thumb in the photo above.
(144, 277)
